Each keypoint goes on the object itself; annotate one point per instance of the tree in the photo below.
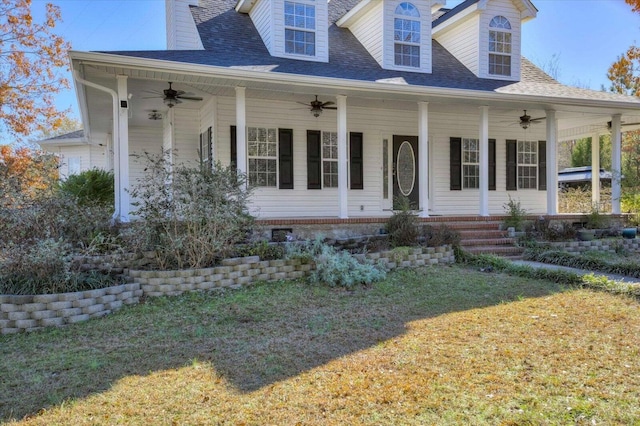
(625, 73)
(635, 4)
(25, 173)
(581, 152)
(67, 125)
(31, 57)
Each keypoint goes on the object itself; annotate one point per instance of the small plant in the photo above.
(90, 187)
(402, 227)
(441, 235)
(262, 249)
(563, 231)
(515, 214)
(595, 219)
(336, 268)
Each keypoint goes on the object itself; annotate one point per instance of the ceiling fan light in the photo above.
(525, 125)
(170, 102)
(316, 112)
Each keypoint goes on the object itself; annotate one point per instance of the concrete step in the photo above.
(474, 234)
(495, 250)
(487, 242)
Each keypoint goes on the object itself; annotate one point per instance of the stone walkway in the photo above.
(615, 277)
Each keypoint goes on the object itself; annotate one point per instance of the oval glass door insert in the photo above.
(406, 168)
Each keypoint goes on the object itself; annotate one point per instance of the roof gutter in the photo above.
(116, 125)
(339, 85)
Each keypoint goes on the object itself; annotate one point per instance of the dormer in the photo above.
(295, 29)
(182, 33)
(396, 33)
(485, 35)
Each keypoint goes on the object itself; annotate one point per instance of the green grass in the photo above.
(444, 345)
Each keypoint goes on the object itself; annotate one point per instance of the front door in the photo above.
(405, 170)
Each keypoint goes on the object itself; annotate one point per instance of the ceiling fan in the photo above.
(316, 107)
(154, 114)
(526, 120)
(172, 97)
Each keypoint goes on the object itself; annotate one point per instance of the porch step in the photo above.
(503, 251)
(468, 234)
(487, 242)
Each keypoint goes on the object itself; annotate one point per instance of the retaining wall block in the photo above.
(233, 275)
(205, 285)
(115, 290)
(108, 298)
(287, 268)
(32, 307)
(166, 288)
(225, 283)
(279, 276)
(39, 315)
(69, 312)
(44, 298)
(405, 264)
(19, 315)
(305, 268)
(242, 267)
(253, 272)
(250, 259)
(56, 306)
(70, 297)
(8, 307)
(263, 277)
(296, 274)
(244, 280)
(420, 262)
(270, 270)
(83, 303)
(222, 269)
(116, 304)
(89, 310)
(5, 323)
(77, 318)
(294, 262)
(231, 262)
(188, 287)
(433, 261)
(277, 263)
(26, 324)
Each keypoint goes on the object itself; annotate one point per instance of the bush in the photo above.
(441, 235)
(44, 268)
(263, 249)
(335, 268)
(91, 187)
(515, 214)
(402, 227)
(189, 217)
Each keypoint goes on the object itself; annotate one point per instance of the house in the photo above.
(77, 154)
(333, 108)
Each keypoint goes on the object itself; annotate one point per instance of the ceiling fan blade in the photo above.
(153, 92)
(535, 120)
(329, 107)
(152, 97)
(304, 103)
(327, 103)
(189, 98)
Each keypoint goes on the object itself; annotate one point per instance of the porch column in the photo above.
(343, 180)
(484, 161)
(241, 129)
(616, 160)
(552, 164)
(595, 169)
(423, 157)
(121, 154)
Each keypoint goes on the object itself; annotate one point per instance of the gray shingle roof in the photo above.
(231, 40)
(78, 134)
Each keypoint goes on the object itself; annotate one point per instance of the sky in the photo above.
(585, 36)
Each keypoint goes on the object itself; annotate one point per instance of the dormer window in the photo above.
(300, 28)
(406, 35)
(500, 46)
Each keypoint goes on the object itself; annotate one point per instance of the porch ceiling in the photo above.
(575, 119)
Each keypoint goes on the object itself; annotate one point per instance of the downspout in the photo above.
(116, 144)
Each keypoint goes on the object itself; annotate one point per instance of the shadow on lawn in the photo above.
(252, 337)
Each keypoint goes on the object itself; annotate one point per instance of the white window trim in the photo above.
(467, 163)
(534, 164)
(263, 157)
(417, 19)
(500, 30)
(334, 136)
(293, 28)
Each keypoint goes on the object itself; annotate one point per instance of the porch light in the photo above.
(316, 112)
(170, 102)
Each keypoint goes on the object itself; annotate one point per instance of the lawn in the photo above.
(443, 345)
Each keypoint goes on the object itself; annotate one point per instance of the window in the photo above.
(470, 163)
(527, 164)
(329, 159)
(74, 165)
(206, 150)
(500, 46)
(300, 28)
(406, 35)
(263, 156)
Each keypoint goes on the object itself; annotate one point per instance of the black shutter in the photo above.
(234, 149)
(512, 165)
(285, 158)
(455, 164)
(492, 164)
(542, 165)
(314, 160)
(356, 160)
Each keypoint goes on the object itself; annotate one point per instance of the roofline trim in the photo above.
(336, 83)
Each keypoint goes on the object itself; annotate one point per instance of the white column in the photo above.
(343, 181)
(423, 157)
(241, 129)
(595, 169)
(484, 160)
(122, 152)
(552, 164)
(616, 161)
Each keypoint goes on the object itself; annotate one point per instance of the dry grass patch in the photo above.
(438, 346)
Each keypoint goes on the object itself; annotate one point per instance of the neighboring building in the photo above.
(76, 154)
(332, 108)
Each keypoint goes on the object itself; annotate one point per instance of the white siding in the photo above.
(368, 31)
(462, 41)
(425, 36)
(142, 139)
(508, 10)
(89, 157)
(261, 14)
(186, 136)
(182, 33)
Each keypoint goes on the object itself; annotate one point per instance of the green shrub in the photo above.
(262, 248)
(190, 217)
(90, 187)
(441, 235)
(515, 215)
(335, 268)
(402, 227)
(44, 268)
(596, 220)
